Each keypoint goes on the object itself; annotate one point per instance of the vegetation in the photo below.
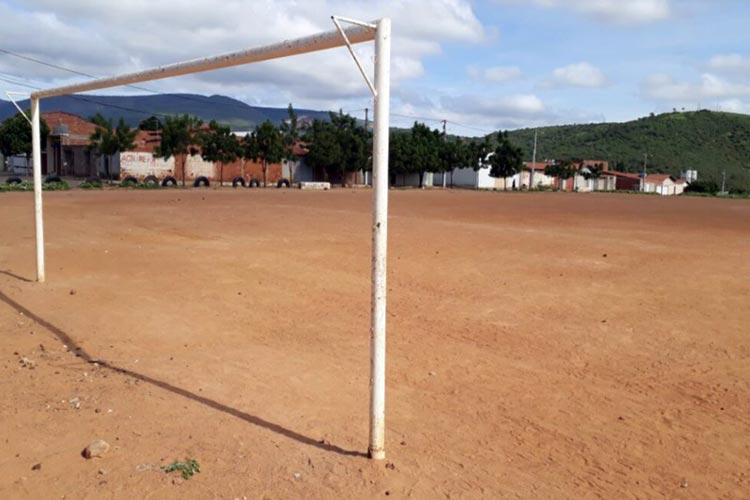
(108, 140)
(219, 145)
(706, 141)
(151, 123)
(178, 139)
(507, 159)
(415, 152)
(29, 186)
(338, 146)
(562, 170)
(188, 468)
(265, 145)
(15, 136)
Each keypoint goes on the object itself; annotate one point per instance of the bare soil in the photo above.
(539, 346)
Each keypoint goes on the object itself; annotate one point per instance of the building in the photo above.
(664, 184)
(625, 181)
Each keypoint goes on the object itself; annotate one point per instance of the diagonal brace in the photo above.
(336, 20)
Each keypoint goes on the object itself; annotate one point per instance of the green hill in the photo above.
(706, 141)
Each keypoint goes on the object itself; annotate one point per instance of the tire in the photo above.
(127, 181)
(283, 183)
(14, 180)
(254, 183)
(169, 181)
(201, 181)
(238, 181)
(52, 179)
(151, 180)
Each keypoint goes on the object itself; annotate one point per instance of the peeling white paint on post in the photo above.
(379, 237)
(36, 148)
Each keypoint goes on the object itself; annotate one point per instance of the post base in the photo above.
(376, 454)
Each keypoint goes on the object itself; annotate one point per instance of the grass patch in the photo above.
(29, 186)
(187, 468)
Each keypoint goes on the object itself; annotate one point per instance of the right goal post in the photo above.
(380, 32)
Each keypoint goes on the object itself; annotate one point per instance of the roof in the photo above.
(659, 178)
(625, 175)
(536, 166)
(78, 131)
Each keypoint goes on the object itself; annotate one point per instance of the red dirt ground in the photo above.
(540, 345)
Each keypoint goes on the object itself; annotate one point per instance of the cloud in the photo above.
(730, 63)
(106, 38)
(580, 74)
(665, 87)
(615, 11)
(495, 73)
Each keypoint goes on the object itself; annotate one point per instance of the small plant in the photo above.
(187, 468)
(90, 185)
(29, 186)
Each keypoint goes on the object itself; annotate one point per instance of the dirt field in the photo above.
(540, 346)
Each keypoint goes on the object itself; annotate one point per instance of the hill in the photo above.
(706, 141)
(236, 114)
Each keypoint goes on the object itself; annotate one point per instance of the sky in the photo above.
(481, 65)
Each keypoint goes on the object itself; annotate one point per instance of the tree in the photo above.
(151, 123)
(267, 145)
(290, 132)
(108, 140)
(562, 170)
(219, 145)
(452, 154)
(507, 160)
(178, 140)
(338, 146)
(15, 136)
(593, 172)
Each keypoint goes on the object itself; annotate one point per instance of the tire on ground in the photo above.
(52, 178)
(14, 180)
(238, 181)
(169, 181)
(283, 183)
(129, 180)
(151, 179)
(254, 183)
(201, 181)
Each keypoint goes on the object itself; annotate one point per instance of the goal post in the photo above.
(358, 32)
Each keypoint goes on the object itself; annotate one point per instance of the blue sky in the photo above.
(481, 65)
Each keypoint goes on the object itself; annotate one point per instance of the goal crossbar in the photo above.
(380, 32)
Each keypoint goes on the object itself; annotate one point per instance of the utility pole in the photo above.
(533, 161)
(643, 175)
(724, 182)
(445, 138)
(367, 118)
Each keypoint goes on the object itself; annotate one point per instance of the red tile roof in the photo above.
(78, 131)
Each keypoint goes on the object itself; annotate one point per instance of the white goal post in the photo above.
(380, 32)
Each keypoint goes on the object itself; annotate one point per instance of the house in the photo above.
(625, 181)
(541, 180)
(664, 184)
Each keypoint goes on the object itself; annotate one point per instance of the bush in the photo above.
(29, 186)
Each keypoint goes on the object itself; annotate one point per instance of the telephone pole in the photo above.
(723, 182)
(445, 138)
(643, 175)
(533, 161)
(367, 118)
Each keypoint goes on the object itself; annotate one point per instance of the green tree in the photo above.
(178, 139)
(594, 173)
(108, 140)
(507, 159)
(15, 136)
(338, 147)
(562, 170)
(452, 154)
(267, 145)
(218, 145)
(151, 123)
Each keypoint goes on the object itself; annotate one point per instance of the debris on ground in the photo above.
(97, 448)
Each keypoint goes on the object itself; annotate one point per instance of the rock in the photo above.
(297, 475)
(72, 292)
(390, 465)
(432, 374)
(103, 472)
(684, 483)
(97, 448)
(75, 403)
(27, 363)
(36, 467)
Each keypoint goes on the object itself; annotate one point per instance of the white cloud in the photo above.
(106, 38)
(666, 88)
(616, 11)
(580, 74)
(495, 73)
(730, 63)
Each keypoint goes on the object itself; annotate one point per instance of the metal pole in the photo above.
(36, 146)
(533, 162)
(376, 449)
